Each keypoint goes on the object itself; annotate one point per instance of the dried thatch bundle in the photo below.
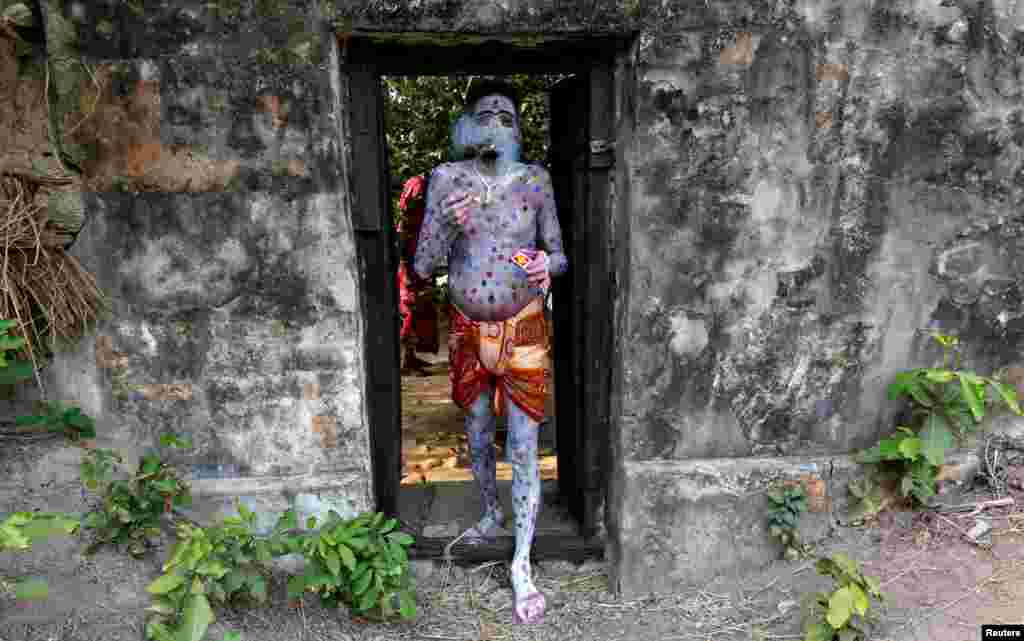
(41, 287)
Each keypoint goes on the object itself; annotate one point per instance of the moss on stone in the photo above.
(271, 8)
(278, 328)
(225, 9)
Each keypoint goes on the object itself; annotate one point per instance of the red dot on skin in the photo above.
(490, 274)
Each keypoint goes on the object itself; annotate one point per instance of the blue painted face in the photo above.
(460, 135)
(494, 122)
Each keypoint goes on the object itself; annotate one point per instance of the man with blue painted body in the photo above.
(487, 215)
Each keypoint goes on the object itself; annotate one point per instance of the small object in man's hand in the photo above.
(522, 259)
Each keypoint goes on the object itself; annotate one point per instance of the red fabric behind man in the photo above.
(419, 316)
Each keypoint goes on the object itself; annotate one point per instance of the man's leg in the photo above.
(480, 427)
(522, 454)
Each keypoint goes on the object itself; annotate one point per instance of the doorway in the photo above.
(581, 164)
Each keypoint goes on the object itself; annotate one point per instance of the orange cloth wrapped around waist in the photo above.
(512, 354)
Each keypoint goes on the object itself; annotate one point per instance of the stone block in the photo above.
(683, 523)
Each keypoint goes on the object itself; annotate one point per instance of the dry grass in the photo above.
(39, 283)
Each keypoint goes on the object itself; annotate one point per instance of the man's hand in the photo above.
(458, 205)
(537, 271)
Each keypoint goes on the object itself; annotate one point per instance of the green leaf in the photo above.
(233, 581)
(369, 598)
(1009, 395)
(232, 635)
(968, 384)
(361, 583)
(258, 588)
(33, 589)
(347, 557)
(401, 538)
(819, 632)
(158, 631)
(296, 586)
(389, 525)
(860, 600)
(910, 448)
(407, 605)
(162, 605)
(936, 438)
(196, 618)
(332, 561)
(165, 583)
(840, 607)
(939, 375)
(15, 373)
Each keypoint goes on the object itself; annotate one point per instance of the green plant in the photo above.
(867, 499)
(361, 563)
(57, 418)
(132, 508)
(216, 564)
(12, 372)
(19, 531)
(842, 613)
(786, 504)
(947, 405)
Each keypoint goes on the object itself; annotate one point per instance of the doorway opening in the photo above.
(580, 157)
(438, 494)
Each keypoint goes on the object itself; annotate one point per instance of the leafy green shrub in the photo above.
(947, 405)
(132, 508)
(362, 563)
(843, 613)
(19, 531)
(224, 562)
(69, 421)
(786, 505)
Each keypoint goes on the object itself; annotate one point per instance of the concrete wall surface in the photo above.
(810, 183)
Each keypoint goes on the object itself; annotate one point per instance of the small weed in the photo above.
(132, 508)
(69, 421)
(843, 613)
(787, 503)
(18, 532)
(947, 405)
(361, 563)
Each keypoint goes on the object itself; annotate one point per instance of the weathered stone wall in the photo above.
(810, 183)
(216, 221)
(809, 196)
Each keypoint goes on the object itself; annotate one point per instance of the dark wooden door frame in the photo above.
(593, 60)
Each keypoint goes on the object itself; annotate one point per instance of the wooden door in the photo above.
(581, 163)
(376, 246)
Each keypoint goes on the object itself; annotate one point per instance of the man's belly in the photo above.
(490, 290)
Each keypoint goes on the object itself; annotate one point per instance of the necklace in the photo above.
(486, 201)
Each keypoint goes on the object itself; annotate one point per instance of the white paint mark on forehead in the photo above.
(495, 103)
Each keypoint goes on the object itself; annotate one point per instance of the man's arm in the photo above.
(548, 230)
(438, 232)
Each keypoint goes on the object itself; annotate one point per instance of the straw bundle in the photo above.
(44, 289)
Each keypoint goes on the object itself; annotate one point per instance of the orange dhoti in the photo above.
(512, 355)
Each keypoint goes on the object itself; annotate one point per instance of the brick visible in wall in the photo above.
(167, 392)
(327, 428)
(742, 53)
(823, 119)
(311, 392)
(832, 71)
(106, 357)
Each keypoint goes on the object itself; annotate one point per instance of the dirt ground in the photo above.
(942, 587)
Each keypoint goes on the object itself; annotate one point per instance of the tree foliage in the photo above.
(420, 109)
